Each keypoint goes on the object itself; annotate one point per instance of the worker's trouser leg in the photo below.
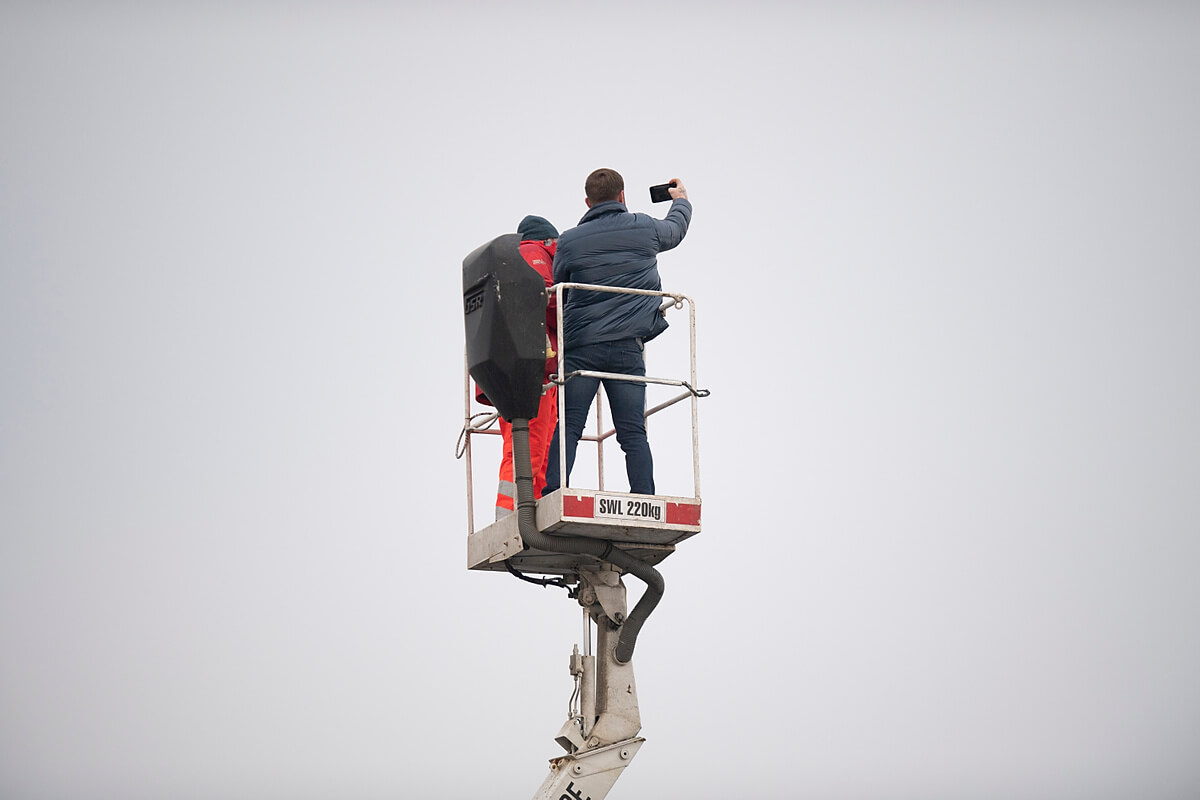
(580, 392)
(627, 404)
(541, 431)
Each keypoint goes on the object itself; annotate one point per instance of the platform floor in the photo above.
(646, 526)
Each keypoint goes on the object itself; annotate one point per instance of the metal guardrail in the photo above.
(677, 302)
(482, 422)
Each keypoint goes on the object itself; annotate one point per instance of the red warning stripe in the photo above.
(579, 506)
(683, 513)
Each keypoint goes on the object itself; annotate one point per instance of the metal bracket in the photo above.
(601, 592)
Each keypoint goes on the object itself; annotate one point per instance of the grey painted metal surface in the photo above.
(601, 737)
(588, 775)
(649, 540)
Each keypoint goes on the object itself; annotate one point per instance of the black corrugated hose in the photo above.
(605, 551)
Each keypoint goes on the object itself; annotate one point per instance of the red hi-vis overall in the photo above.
(541, 431)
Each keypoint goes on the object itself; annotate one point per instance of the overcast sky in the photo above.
(946, 262)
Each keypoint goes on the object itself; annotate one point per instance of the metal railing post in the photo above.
(695, 400)
(467, 443)
(599, 441)
(562, 390)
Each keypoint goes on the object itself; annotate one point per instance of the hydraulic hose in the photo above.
(578, 545)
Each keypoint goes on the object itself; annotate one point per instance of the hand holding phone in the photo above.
(662, 192)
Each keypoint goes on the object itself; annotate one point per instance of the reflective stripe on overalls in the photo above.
(541, 431)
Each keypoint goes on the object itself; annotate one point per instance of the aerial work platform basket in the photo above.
(645, 526)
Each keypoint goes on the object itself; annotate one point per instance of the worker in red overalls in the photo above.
(538, 240)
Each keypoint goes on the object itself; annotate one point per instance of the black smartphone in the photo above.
(659, 194)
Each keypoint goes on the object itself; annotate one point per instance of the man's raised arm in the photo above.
(672, 229)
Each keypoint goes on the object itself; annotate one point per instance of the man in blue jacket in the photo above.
(606, 332)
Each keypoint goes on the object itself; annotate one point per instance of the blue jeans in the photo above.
(626, 401)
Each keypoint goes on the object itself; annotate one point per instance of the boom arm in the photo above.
(601, 739)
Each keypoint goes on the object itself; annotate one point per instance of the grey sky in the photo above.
(945, 258)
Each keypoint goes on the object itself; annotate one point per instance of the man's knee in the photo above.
(633, 441)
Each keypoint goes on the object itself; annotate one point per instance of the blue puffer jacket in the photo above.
(613, 247)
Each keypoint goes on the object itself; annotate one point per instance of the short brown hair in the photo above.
(604, 185)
